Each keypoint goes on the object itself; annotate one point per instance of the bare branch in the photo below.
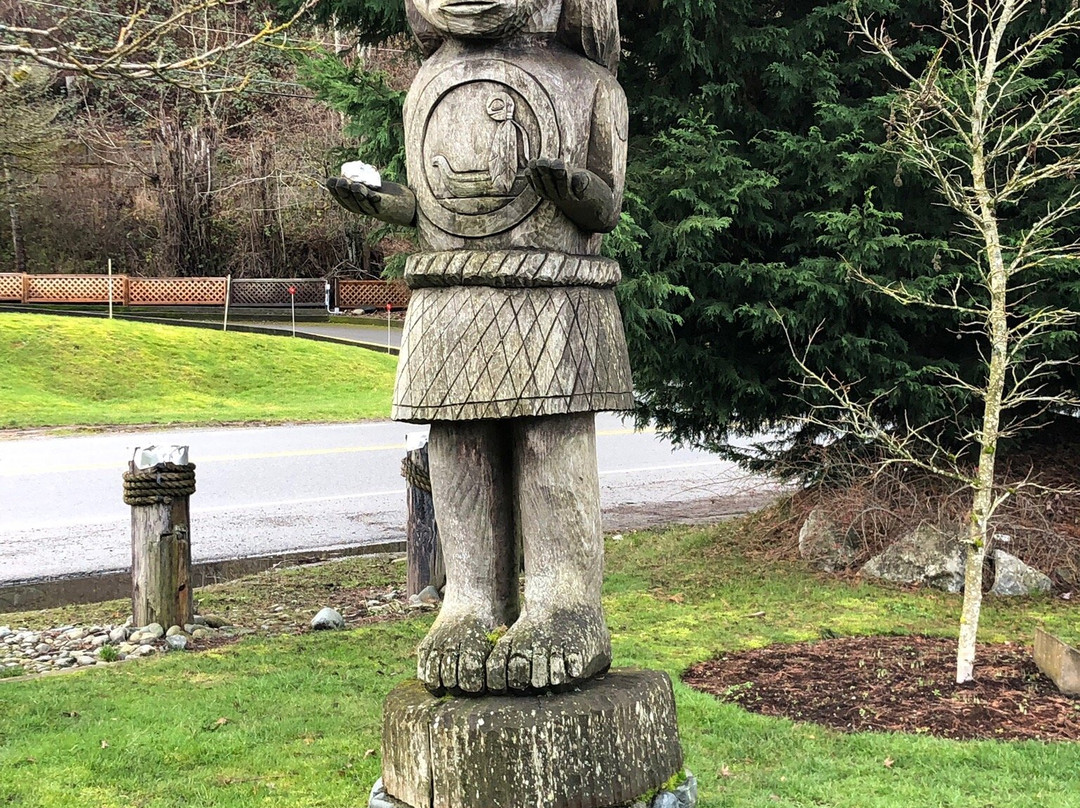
(137, 53)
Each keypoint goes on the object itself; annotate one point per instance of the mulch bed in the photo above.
(895, 684)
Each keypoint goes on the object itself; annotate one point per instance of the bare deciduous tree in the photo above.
(28, 142)
(990, 121)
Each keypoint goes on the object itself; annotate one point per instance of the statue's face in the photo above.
(485, 19)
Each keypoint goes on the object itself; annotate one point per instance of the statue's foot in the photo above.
(550, 650)
(453, 655)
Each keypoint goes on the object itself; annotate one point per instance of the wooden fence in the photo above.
(261, 292)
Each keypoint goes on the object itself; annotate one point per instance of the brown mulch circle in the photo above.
(895, 684)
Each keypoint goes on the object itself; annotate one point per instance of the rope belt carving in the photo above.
(160, 484)
(415, 475)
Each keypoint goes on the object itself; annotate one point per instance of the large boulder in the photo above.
(928, 555)
(1013, 577)
(824, 545)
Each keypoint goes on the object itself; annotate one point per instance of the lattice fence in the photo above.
(74, 289)
(176, 291)
(372, 294)
(11, 287)
(275, 292)
(198, 291)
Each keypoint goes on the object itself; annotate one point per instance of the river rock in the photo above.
(1013, 577)
(429, 595)
(928, 555)
(177, 642)
(665, 799)
(154, 631)
(327, 618)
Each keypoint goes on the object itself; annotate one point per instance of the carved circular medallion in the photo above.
(483, 121)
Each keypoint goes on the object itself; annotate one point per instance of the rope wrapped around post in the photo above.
(160, 484)
(415, 474)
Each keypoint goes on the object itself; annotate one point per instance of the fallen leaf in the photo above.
(104, 744)
(725, 772)
(889, 762)
(757, 614)
(677, 598)
(217, 724)
(369, 753)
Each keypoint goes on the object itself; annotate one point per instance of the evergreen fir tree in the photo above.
(759, 171)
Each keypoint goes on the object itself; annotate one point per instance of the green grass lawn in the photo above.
(302, 713)
(68, 371)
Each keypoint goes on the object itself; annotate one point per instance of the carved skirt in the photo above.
(471, 350)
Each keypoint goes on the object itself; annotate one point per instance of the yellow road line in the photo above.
(23, 471)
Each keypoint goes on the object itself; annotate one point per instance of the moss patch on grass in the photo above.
(65, 371)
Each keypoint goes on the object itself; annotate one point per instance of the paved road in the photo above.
(374, 335)
(277, 489)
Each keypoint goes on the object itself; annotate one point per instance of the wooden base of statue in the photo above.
(609, 742)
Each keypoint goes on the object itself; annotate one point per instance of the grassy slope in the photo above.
(61, 371)
(303, 712)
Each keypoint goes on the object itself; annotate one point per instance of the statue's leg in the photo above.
(471, 484)
(561, 636)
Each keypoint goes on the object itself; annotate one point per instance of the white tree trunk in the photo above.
(982, 506)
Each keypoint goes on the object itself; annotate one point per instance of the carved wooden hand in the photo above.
(584, 197)
(391, 203)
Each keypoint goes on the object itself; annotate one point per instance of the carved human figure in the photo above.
(516, 152)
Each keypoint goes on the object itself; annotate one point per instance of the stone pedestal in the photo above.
(606, 743)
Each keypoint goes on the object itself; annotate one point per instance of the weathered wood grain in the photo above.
(161, 563)
(423, 547)
(602, 745)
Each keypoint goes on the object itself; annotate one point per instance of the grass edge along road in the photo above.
(60, 371)
(295, 720)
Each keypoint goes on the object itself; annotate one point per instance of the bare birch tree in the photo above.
(993, 125)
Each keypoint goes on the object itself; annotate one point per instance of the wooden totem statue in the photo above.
(516, 152)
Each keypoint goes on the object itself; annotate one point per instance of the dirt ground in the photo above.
(895, 684)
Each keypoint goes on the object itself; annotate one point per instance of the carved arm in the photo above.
(392, 203)
(585, 198)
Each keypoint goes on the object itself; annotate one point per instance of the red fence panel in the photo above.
(177, 291)
(372, 294)
(11, 287)
(74, 289)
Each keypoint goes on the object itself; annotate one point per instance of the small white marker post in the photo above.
(388, 328)
(228, 295)
(110, 289)
(292, 306)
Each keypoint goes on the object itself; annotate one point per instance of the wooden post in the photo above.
(160, 540)
(25, 288)
(422, 546)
